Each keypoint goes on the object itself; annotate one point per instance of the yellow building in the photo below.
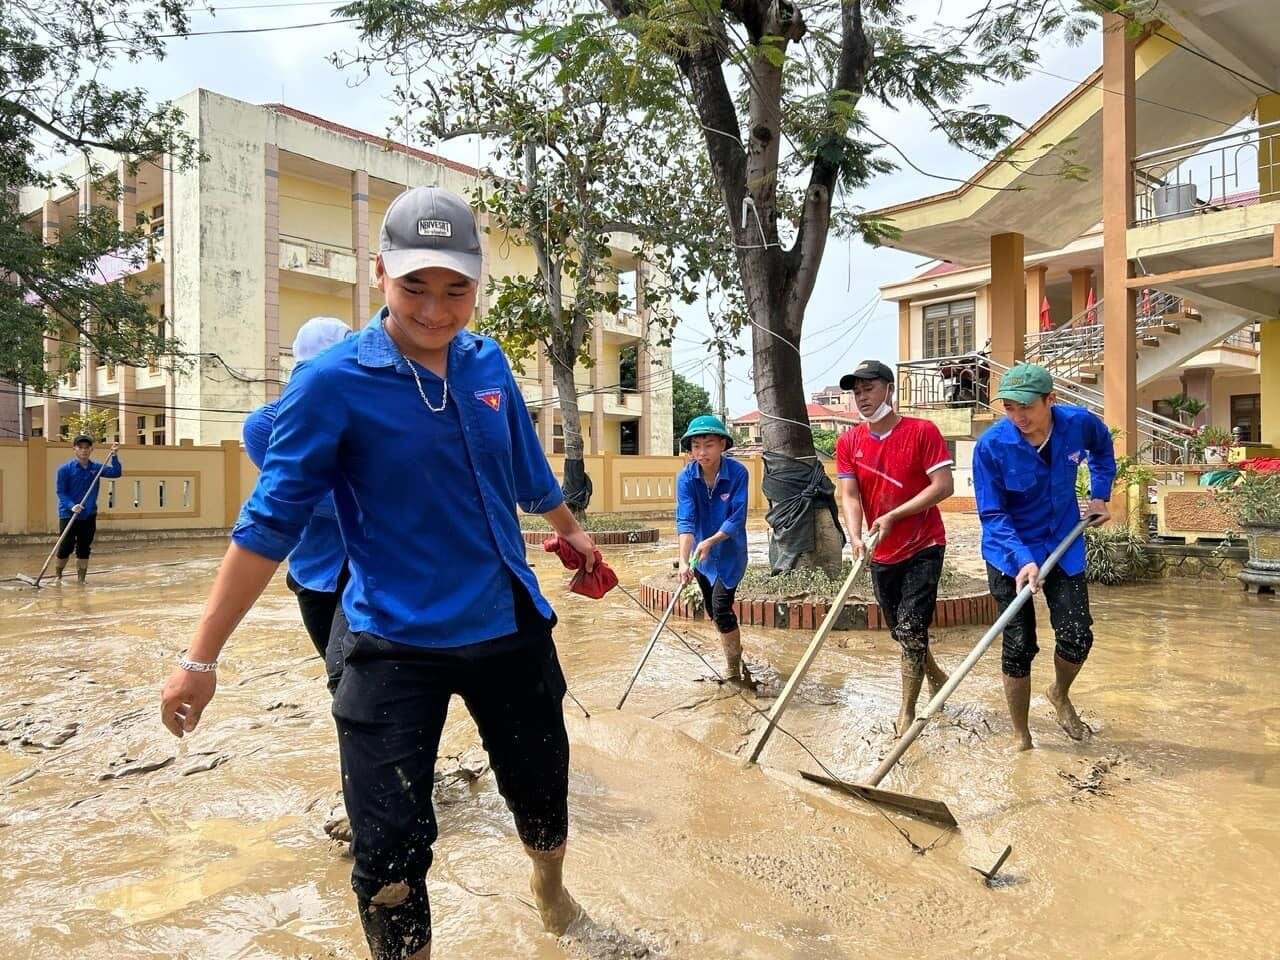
(1153, 271)
(277, 224)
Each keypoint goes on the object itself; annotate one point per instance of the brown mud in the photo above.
(1155, 837)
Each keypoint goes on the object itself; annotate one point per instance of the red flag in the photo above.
(1045, 322)
(1090, 314)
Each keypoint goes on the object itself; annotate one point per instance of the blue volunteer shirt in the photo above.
(722, 508)
(1027, 506)
(74, 481)
(426, 501)
(318, 558)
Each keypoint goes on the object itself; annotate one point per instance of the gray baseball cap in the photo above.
(430, 227)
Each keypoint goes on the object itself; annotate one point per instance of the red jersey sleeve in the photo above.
(933, 448)
(844, 453)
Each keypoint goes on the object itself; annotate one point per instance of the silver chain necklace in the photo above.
(444, 398)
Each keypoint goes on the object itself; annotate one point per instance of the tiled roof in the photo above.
(815, 410)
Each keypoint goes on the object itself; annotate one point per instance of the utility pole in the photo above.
(722, 407)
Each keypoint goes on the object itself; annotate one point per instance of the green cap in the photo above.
(705, 426)
(1025, 383)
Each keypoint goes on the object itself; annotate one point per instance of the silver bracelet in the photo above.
(195, 666)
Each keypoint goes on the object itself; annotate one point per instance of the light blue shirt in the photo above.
(426, 501)
(318, 558)
(722, 508)
(1028, 506)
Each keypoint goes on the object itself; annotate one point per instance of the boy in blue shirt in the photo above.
(1024, 477)
(419, 430)
(318, 564)
(711, 521)
(75, 479)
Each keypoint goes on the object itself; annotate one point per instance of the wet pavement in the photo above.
(1158, 837)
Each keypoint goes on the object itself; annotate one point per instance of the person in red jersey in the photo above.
(893, 471)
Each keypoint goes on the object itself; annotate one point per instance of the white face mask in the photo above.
(880, 413)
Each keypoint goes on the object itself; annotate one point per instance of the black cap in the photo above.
(82, 438)
(867, 370)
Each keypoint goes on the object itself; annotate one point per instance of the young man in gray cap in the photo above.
(76, 481)
(893, 472)
(1024, 479)
(418, 428)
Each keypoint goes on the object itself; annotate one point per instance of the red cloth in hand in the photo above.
(595, 584)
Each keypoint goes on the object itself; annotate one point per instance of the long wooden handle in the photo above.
(958, 674)
(837, 605)
(666, 615)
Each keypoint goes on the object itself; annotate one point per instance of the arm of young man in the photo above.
(994, 515)
(851, 501)
(850, 492)
(686, 523)
(113, 468)
(62, 486)
(1102, 470)
(935, 460)
(299, 469)
(536, 488)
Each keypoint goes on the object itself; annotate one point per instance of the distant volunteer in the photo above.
(711, 523)
(77, 480)
(893, 472)
(318, 564)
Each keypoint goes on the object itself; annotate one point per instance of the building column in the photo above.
(645, 370)
(597, 387)
(360, 244)
(1119, 314)
(1269, 149)
(126, 377)
(903, 389)
(1035, 297)
(52, 348)
(1198, 384)
(1007, 300)
(88, 360)
(167, 317)
(271, 273)
(547, 409)
(482, 296)
(1269, 381)
(1081, 284)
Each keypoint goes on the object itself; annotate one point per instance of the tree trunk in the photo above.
(576, 484)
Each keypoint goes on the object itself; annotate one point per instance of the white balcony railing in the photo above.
(1206, 175)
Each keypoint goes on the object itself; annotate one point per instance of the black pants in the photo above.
(390, 706)
(717, 600)
(80, 539)
(1068, 600)
(319, 609)
(907, 592)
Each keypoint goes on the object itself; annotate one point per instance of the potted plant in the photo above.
(1216, 442)
(1255, 500)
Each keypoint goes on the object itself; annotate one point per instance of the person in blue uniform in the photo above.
(418, 428)
(318, 564)
(76, 478)
(1024, 477)
(711, 522)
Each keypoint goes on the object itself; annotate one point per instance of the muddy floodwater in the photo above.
(1158, 837)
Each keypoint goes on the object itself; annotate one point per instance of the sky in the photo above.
(845, 323)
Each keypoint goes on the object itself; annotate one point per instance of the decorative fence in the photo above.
(187, 487)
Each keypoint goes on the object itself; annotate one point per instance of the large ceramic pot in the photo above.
(1262, 572)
